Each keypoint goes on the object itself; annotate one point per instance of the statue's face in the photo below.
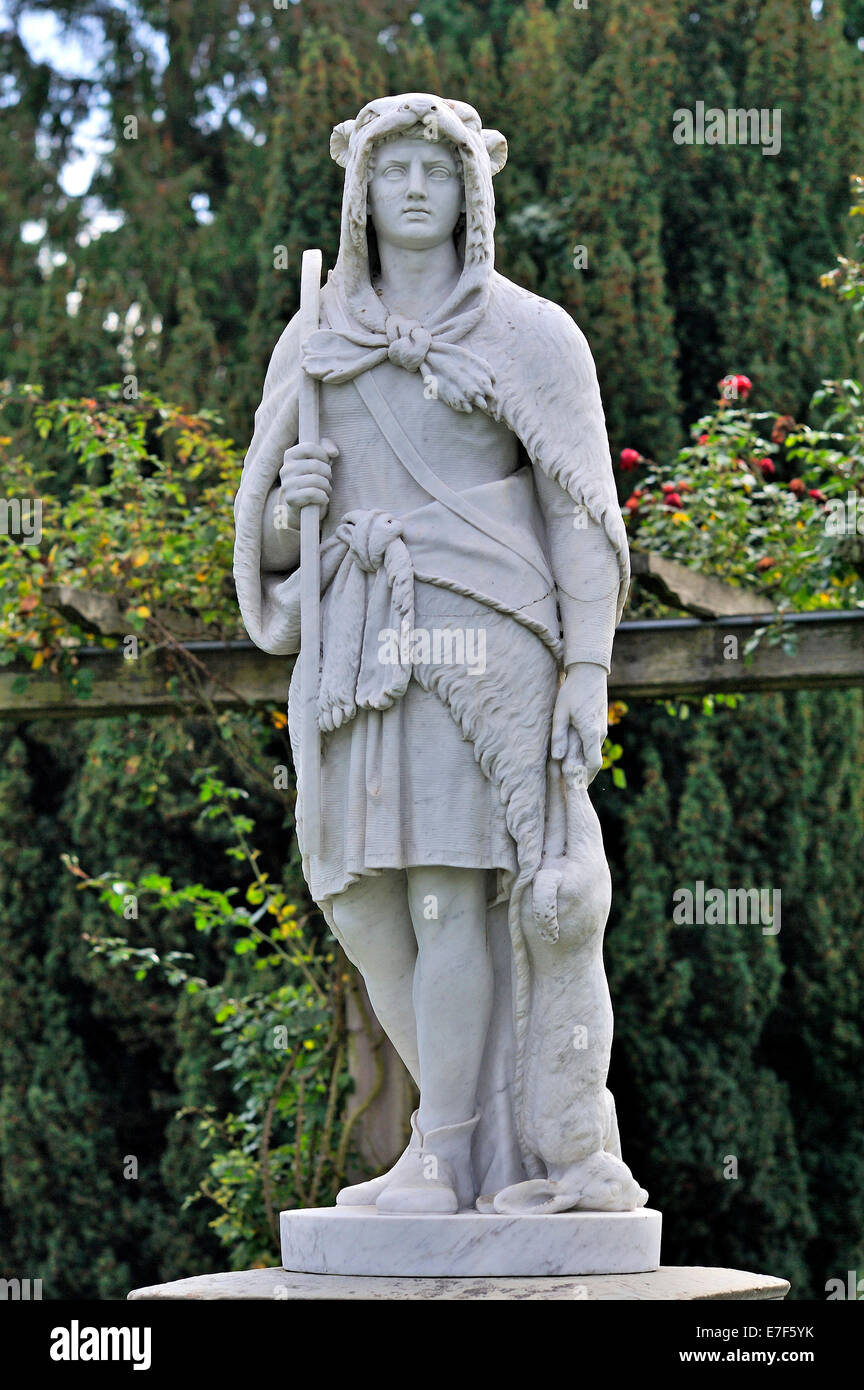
(415, 192)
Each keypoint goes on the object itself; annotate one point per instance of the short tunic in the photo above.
(401, 787)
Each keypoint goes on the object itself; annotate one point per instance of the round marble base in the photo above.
(668, 1283)
(364, 1241)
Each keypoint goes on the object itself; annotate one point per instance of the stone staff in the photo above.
(310, 572)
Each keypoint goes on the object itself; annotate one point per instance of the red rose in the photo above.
(735, 387)
(668, 487)
(632, 504)
(796, 485)
(672, 500)
(703, 439)
(765, 563)
(817, 495)
(767, 466)
(629, 459)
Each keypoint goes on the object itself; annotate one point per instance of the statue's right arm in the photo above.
(301, 473)
(304, 481)
(280, 535)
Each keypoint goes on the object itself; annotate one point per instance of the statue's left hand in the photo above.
(582, 705)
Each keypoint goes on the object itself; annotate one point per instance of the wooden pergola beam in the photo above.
(660, 658)
(690, 656)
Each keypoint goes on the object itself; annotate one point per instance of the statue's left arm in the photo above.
(587, 541)
(585, 568)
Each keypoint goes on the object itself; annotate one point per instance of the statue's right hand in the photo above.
(305, 475)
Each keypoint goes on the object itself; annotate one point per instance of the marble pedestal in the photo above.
(669, 1283)
(363, 1241)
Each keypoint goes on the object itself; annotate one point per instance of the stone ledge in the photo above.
(669, 1282)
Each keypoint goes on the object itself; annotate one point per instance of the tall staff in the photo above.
(310, 575)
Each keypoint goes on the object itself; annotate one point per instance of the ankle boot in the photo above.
(437, 1175)
(364, 1194)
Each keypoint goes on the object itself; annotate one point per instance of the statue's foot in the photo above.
(437, 1176)
(420, 1188)
(600, 1182)
(365, 1194)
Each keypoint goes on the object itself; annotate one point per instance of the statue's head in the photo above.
(415, 191)
(418, 169)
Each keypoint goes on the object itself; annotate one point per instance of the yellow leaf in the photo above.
(37, 660)
(143, 611)
(139, 558)
(278, 719)
(617, 710)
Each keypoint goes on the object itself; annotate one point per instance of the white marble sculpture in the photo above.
(473, 567)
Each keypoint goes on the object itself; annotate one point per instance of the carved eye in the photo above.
(441, 172)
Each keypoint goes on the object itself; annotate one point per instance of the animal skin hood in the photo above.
(482, 152)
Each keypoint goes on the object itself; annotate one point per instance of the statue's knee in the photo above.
(348, 928)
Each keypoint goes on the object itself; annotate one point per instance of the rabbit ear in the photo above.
(496, 147)
(339, 142)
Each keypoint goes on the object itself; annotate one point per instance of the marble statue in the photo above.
(473, 567)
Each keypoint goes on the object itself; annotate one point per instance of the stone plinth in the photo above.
(363, 1241)
(668, 1283)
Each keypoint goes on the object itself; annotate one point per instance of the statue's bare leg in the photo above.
(453, 984)
(373, 924)
(452, 989)
(444, 963)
